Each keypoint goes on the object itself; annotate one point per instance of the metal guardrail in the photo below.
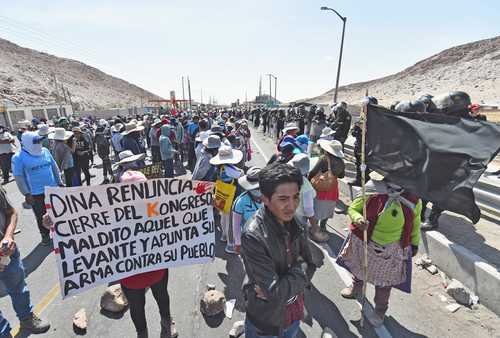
(486, 191)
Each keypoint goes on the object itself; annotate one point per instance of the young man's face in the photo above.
(283, 202)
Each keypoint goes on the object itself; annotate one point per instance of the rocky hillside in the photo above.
(473, 68)
(30, 77)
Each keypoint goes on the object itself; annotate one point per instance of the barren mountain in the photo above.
(473, 68)
(31, 77)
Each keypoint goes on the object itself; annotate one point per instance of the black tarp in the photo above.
(437, 157)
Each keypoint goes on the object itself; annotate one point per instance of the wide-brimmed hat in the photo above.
(117, 127)
(290, 126)
(212, 142)
(202, 136)
(131, 127)
(128, 156)
(156, 122)
(44, 130)
(333, 147)
(60, 134)
(251, 180)
(301, 161)
(227, 155)
(217, 130)
(327, 131)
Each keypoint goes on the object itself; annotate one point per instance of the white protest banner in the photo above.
(108, 232)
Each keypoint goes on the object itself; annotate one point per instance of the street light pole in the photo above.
(344, 20)
(270, 88)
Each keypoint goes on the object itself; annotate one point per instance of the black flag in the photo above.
(438, 158)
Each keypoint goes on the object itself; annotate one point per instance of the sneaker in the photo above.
(35, 325)
(350, 292)
(46, 240)
(328, 333)
(168, 329)
(230, 249)
(223, 237)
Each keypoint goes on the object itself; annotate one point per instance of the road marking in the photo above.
(260, 150)
(40, 307)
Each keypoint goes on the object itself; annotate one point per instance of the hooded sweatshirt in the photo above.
(34, 167)
(165, 143)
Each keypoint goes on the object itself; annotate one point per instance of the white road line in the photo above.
(260, 150)
(382, 331)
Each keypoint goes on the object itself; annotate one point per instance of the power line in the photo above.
(40, 33)
(12, 27)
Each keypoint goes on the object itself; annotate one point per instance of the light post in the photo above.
(270, 89)
(344, 19)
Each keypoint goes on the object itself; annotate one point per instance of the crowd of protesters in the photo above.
(271, 213)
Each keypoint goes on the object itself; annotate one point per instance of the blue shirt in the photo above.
(246, 207)
(38, 171)
(193, 129)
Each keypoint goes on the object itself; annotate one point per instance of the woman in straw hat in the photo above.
(127, 161)
(393, 226)
(246, 204)
(331, 159)
(132, 138)
(63, 153)
(225, 161)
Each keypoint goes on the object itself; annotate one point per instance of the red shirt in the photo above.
(143, 280)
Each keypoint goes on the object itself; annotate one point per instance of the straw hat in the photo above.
(131, 127)
(127, 156)
(212, 142)
(227, 155)
(290, 126)
(332, 147)
(202, 136)
(76, 130)
(251, 180)
(44, 130)
(117, 127)
(60, 134)
(327, 131)
(156, 122)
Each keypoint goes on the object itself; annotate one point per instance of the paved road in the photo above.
(420, 314)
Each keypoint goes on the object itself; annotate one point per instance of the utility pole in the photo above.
(183, 97)
(260, 86)
(275, 84)
(201, 90)
(270, 90)
(189, 93)
(70, 102)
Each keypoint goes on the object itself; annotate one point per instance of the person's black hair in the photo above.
(203, 124)
(274, 174)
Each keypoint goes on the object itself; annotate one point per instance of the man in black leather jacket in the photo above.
(277, 257)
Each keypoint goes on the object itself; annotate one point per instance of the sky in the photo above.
(225, 46)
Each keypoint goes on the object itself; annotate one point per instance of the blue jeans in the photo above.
(290, 332)
(13, 279)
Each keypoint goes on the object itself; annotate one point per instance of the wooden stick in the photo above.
(363, 194)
